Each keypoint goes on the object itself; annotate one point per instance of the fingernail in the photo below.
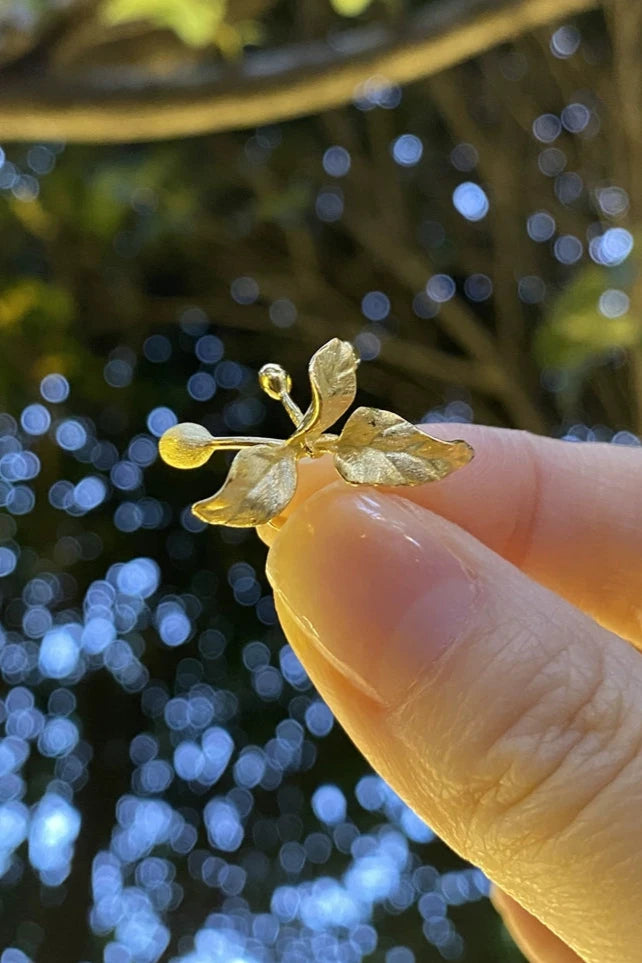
(374, 584)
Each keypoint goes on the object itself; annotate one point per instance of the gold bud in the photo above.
(275, 381)
(186, 446)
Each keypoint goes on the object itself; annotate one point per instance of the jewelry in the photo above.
(375, 447)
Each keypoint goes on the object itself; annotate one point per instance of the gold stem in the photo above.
(241, 441)
(292, 409)
(190, 446)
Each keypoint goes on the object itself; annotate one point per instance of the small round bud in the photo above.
(186, 445)
(275, 381)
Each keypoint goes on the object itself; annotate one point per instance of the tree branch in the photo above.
(403, 355)
(456, 320)
(267, 86)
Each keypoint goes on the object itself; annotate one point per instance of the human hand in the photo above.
(474, 639)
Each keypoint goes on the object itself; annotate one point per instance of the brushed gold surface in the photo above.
(375, 447)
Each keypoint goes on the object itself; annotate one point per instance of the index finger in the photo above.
(568, 515)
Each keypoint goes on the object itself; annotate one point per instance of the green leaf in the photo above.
(350, 8)
(194, 21)
(577, 331)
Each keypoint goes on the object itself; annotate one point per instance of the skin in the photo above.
(479, 641)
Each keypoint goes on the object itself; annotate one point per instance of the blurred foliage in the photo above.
(350, 8)
(474, 234)
(94, 32)
(577, 333)
(195, 21)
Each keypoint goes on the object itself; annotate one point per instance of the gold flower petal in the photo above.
(260, 483)
(380, 448)
(186, 446)
(333, 380)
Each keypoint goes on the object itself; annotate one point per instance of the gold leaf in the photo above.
(186, 446)
(333, 379)
(380, 448)
(261, 482)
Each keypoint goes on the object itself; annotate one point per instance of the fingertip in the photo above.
(367, 572)
(267, 533)
(496, 895)
(354, 705)
(313, 474)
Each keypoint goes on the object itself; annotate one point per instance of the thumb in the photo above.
(506, 718)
